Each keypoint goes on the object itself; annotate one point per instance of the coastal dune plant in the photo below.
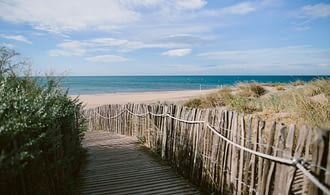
(298, 102)
(219, 98)
(40, 134)
(251, 89)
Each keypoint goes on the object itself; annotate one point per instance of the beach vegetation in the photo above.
(40, 133)
(298, 102)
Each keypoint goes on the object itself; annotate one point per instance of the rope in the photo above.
(112, 117)
(269, 157)
(142, 114)
(153, 114)
(185, 121)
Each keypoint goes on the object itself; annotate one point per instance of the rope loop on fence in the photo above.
(297, 162)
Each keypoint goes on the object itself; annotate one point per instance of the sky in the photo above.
(169, 37)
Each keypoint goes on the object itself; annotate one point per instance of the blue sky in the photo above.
(169, 37)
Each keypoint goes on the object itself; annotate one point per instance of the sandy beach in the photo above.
(94, 100)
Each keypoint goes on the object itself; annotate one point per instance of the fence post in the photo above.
(320, 155)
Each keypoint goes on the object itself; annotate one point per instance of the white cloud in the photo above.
(106, 58)
(297, 56)
(108, 41)
(177, 52)
(106, 44)
(69, 48)
(239, 9)
(190, 4)
(63, 15)
(20, 38)
(316, 11)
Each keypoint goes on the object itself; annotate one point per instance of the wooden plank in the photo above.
(223, 153)
(278, 144)
(298, 179)
(260, 134)
(265, 184)
(241, 158)
(228, 154)
(234, 157)
(318, 154)
(247, 163)
(307, 157)
(288, 171)
(327, 175)
(117, 165)
(224, 184)
(278, 181)
(253, 157)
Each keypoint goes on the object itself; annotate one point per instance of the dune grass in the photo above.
(296, 102)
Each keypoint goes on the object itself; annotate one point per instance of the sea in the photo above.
(79, 85)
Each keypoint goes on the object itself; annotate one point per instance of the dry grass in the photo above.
(216, 99)
(296, 102)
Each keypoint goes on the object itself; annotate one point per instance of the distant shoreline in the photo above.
(132, 84)
(95, 100)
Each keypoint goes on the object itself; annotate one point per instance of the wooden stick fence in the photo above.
(225, 152)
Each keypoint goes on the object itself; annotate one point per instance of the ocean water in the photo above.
(79, 85)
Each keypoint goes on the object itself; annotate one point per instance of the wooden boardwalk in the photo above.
(119, 165)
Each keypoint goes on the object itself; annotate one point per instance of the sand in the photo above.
(95, 100)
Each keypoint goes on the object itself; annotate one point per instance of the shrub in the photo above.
(251, 90)
(194, 103)
(242, 105)
(257, 89)
(219, 98)
(40, 136)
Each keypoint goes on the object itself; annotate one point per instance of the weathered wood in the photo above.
(208, 160)
(318, 157)
(253, 158)
(265, 183)
(247, 163)
(241, 157)
(117, 165)
(298, 179)
(234, 156)
(278, 167)
(327, 174)
(261, 128)
(287, 178)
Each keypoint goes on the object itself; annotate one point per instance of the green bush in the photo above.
(257, 89)
(40, 137)
(194, 103)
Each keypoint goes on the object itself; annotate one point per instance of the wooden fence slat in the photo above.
(265, 184)
(288, 170)
(234, 157)
(261, 128)
(222, 168)
(327, 174)
(253, 158)
(241, 158)
(248, 156)
(279, 142)
(318, 155)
